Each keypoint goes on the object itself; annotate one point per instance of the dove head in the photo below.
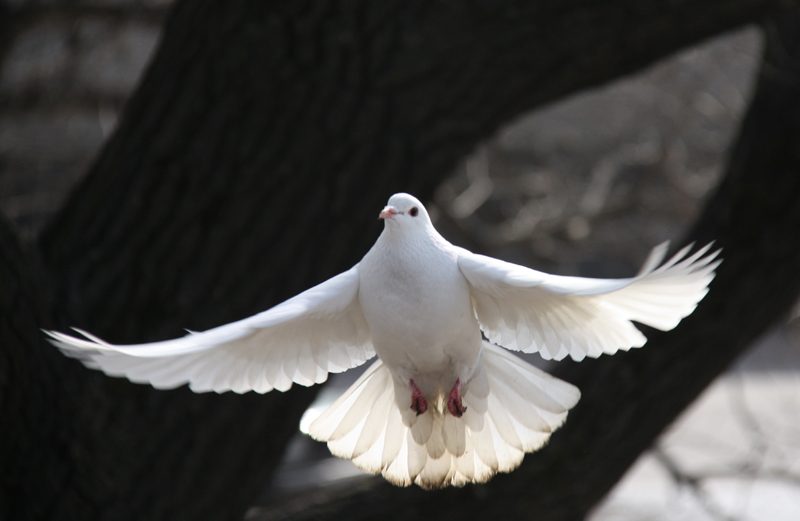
(405, 212)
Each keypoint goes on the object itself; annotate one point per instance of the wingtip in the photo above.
(58, 339)
(50, 334)
(90, 336)
(654, 259)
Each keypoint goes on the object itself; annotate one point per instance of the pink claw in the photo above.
(454, 403)
(418, 402)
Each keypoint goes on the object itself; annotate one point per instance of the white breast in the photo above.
(418, 308)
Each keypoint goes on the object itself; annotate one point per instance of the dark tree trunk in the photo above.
(248, 165)
(32, 416)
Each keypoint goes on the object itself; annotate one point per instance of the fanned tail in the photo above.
(512, 408)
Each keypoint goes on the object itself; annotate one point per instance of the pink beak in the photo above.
(388, 213)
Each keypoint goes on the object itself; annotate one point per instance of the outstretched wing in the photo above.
(301, 340)
(527, 310)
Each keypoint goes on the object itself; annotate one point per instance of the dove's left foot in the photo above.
(454, 403)
(418, 402)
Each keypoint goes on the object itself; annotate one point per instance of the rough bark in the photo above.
(248, 166)
(34, 418)
(630, 398)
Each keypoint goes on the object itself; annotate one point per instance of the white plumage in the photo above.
(441, 406)
(511, 408)
(301, 340)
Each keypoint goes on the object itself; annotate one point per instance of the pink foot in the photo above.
(454, 403)
(418, 402)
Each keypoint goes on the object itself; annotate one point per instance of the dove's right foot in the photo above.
(418, 402)
(454, 402)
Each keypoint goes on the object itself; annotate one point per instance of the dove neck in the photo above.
(400, 237)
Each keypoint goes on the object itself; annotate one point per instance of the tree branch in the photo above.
(34, 448)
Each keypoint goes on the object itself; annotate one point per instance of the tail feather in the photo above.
(512, 408)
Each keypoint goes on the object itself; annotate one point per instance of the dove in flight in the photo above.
(441, 405)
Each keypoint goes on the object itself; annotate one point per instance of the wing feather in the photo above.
(527, 310)
(301, 340)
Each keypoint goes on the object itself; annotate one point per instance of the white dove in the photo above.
(440, 406)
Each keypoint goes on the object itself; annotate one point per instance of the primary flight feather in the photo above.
(440, 406)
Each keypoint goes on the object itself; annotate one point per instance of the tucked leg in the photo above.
(454, 403)
(418, 402)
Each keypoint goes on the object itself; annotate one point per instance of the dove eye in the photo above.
(413, 211)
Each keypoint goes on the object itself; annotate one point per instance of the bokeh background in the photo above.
(584, 186)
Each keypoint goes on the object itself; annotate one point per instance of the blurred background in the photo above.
(588, 185)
